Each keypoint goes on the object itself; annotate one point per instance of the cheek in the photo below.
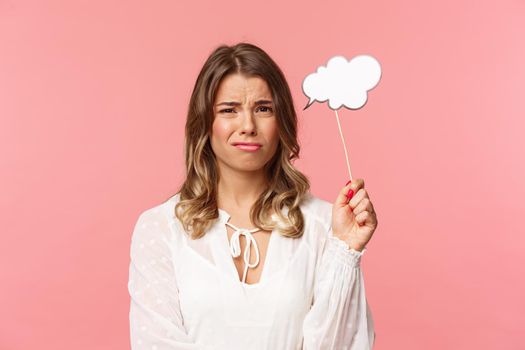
(272, 133)
(220, 131)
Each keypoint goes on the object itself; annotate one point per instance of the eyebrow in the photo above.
(234, 103)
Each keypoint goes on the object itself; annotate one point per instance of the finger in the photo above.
(358, 197)
(342, 198)
(358, 184)
(364, 218)
(363, 205)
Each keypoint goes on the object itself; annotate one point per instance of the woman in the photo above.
(243, 256)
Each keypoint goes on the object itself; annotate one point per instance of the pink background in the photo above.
(93, 97)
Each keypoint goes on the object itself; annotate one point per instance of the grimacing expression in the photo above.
(243, 112)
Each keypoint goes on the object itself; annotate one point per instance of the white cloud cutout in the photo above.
(342, 82)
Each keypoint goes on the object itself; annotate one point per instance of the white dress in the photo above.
(186, 294)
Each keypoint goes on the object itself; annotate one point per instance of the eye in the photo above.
(224, 110)
(267, 109)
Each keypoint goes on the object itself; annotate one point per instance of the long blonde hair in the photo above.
(197, 207)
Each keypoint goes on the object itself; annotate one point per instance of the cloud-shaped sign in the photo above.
(342, 82)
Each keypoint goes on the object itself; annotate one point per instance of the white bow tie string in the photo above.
(235, 247)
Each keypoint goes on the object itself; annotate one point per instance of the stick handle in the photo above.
(344, 146)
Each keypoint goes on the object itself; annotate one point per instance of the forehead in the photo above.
(239, 86)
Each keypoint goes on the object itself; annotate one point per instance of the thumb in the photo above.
(342, 198)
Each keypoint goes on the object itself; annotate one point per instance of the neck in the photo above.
(237, 190)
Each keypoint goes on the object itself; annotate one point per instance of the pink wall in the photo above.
(93, 96)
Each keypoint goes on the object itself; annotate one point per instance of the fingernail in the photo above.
(350, 194)
(348, 182)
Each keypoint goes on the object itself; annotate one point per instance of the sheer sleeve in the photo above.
(155, 319)
(339, 317)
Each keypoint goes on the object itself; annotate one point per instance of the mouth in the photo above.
(247, 146)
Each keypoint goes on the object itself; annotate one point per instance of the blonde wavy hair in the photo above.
(197, 208)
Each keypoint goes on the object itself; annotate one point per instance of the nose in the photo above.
(248, 125)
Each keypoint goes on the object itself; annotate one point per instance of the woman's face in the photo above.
(243, 112)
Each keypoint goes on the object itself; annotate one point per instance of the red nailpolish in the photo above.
(350, 194)
(348, 182)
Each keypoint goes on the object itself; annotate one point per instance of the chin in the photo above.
(251, 168)
(247, 167)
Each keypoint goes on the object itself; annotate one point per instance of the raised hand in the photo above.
(353, 217)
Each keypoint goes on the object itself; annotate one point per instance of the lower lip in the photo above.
(248, 148)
